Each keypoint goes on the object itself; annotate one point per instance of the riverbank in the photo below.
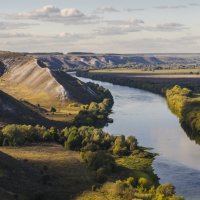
(156, 82)
(187, 109)
(186, 105)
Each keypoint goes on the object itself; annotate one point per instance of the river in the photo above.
(147, 116)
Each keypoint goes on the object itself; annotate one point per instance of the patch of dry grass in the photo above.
(177, 72)
(66, 175)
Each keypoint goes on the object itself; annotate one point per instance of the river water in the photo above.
(147, 116)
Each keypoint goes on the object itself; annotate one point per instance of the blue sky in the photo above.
(104, 26)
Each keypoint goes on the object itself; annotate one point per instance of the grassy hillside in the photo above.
(42, 172)
(14, 111)
(39, 85)
(54, 95)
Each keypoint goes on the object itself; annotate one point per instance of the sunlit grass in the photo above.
(139, 71)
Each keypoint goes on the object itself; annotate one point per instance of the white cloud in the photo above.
(71, 12)
(53, 14)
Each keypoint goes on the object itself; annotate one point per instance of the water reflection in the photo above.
(146, 116)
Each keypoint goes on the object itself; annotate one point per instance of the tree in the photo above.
(144, 182)
(53, 110)
(73, 142)
(119, 147)
(167, 190)
(132, 143)
(15, 135)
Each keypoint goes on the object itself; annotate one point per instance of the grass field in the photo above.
(140, 71)
(47, 170)
(157, 81)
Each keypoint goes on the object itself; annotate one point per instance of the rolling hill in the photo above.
(27, 78)
(73, 61)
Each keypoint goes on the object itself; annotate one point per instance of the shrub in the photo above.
(97, 160)
(15, 135)
(131, 181)
(1, 138)
(144, 182)
(53, 110)
(91, 147)
(73, 142)
(101, 175)
(119, 147)
(132, 143)
(167, 190)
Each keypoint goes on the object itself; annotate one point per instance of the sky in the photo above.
(101, 26)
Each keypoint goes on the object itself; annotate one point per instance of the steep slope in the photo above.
(14, 111)
(29, 79)
(42, 172)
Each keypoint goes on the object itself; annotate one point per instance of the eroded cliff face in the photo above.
(56, 61)
(25, 77)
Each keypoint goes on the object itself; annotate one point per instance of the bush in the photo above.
(144, 182)
(1, 138)
(101, 175)
(167, 190)
(15, 135)
(97, 160)
(73, 142)
(132, 143)
(131, 181)
(119, 147)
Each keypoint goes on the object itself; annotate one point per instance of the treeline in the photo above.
(152, 84)
(84, 138)
(186, 105)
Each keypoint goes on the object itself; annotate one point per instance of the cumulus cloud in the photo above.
(54, 14)
(102, 10)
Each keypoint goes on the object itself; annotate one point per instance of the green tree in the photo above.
(53, 110)
(167, 190)
(119, 147)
